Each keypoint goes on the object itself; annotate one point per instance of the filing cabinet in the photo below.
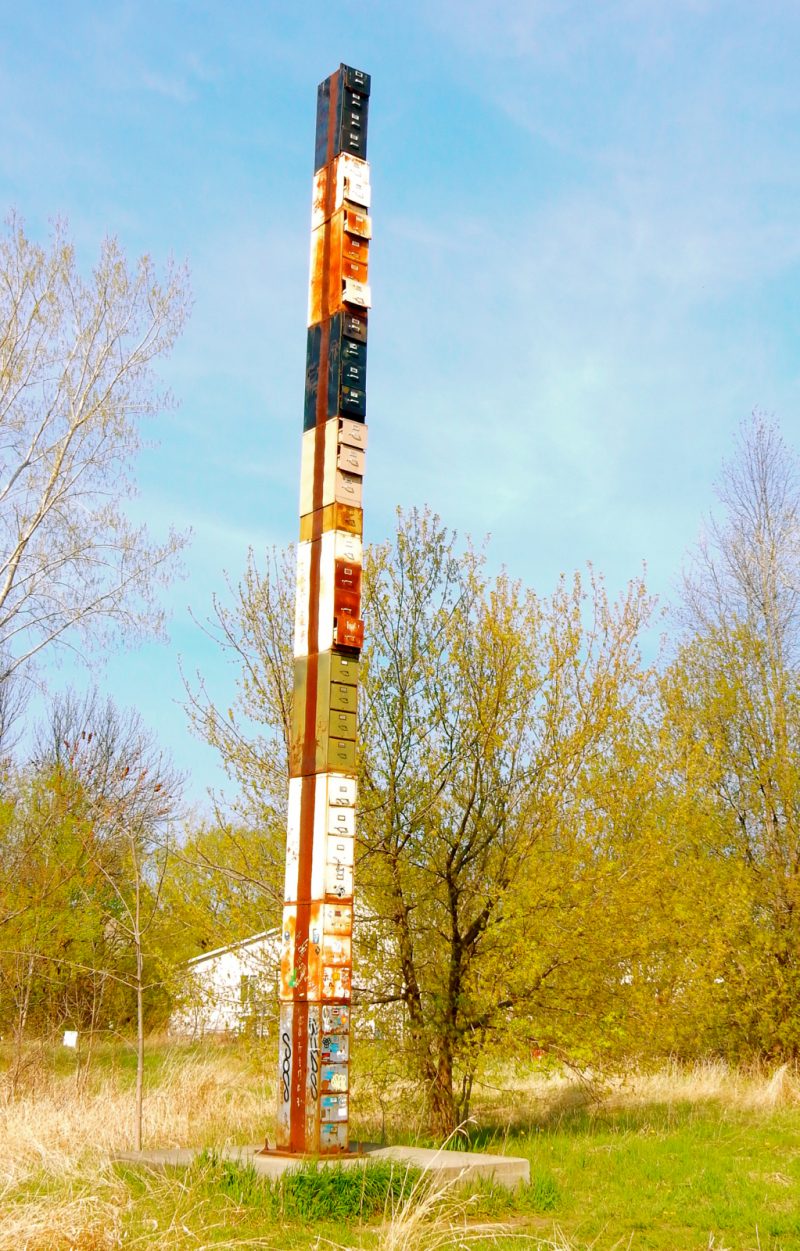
(339, 882)
(343, 698)
(333, 1078)
(351, 459)
(323, 712)
(353, 400)
(342, 823)
(358, 271)
(335, 1048)
(342, 115)
(353, 371)
(356, 79)
(338, 920)
(342, 754)
(340, 852)
(347, 576)
(336, 372)
(336, 979)
(357, 293)
(332, 1136)
(341, 518)
(333, 1107)
(337, 262)
(329, 473)
(347, 547)
(342, 724)
(335, 1018)
(352, 182)
(343, 184)
(356, 223)
(346, 603)
(346, 600)
(352, 433)
(344, 669)
(354, 247)
(324, 574)
(349, 632)
(336, 950)
(348, 488)
(317, 930)
(354, 326)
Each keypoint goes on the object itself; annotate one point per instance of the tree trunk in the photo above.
(442, 1120)
(137, 940)
(137, 1128)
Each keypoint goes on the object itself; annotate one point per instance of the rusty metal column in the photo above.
(316, 964)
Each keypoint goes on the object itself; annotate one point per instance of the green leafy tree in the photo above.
(485, 714)
(46, 927)
(131, 796)
(489, 716)
(220, 887)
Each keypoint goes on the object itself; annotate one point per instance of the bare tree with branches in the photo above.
(745, 568)
(76, 361)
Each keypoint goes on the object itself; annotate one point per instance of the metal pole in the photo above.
(316, 960)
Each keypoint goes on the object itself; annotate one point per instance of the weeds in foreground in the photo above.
(657, 1161)
(77, 1216)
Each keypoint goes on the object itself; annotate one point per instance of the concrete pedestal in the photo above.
(445, 1166)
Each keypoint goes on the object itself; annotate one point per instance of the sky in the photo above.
(584, 268)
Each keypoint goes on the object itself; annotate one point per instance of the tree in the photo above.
(131, 794)
(76, 361)
(251, 735)
(221, 886)
(86, 837)
(745, 570)
(46, 923)
(732, 708)
(483, 711)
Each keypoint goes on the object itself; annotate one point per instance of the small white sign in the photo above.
(70, 1038)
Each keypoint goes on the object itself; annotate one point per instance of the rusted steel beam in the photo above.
(316, 959)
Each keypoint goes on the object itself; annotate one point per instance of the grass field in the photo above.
(701, 1158)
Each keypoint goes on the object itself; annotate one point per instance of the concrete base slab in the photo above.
(444, 1166)
(506, 1170)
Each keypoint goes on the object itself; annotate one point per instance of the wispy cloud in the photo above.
(173, 87)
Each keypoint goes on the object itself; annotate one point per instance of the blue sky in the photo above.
(585, 265)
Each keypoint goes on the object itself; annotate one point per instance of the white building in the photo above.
(231, 990)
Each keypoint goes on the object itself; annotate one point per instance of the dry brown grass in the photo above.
(60, 1192)
(756, 1089)
(199, 1100)
(85, 1218)
(514, 1097)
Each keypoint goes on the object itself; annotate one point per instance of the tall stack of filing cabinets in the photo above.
(314, 1046)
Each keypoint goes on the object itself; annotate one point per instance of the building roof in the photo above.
(242, 944)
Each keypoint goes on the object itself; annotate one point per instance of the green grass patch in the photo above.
(330, 1193)
(674, 1177)
(229, 1203)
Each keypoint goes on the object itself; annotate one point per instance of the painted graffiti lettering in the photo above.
(286, 1066)
(313, 1056)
